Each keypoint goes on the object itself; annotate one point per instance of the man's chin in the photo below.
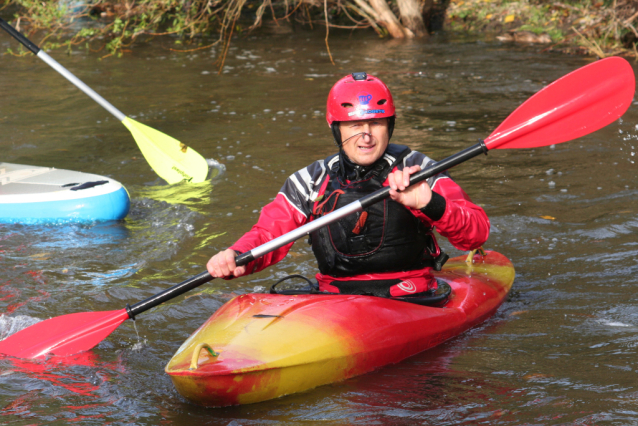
(365, 162)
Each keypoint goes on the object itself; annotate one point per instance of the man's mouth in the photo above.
(366, 148)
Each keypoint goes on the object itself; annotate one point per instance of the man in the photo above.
(388, 249)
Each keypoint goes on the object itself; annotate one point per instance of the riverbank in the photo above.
(593, 28)
(579, 27)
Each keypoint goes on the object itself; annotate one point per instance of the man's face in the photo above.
(370, 143)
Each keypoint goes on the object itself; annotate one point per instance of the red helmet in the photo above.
(359, 97)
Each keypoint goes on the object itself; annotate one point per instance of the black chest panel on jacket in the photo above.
(385, 237)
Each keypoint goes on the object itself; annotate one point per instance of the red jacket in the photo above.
(464, 223)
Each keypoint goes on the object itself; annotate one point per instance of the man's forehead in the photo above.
(369, 120)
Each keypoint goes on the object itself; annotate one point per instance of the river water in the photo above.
(561, 350)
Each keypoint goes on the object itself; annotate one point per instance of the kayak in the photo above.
(43, 194)
(262, 346)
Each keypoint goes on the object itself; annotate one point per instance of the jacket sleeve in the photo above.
(464, 224)
(289, 210)
(276, 219)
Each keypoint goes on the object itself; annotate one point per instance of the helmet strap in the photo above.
(391, 126)
(336, 133)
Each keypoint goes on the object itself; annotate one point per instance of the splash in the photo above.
(216, 168)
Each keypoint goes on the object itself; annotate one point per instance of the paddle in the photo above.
(575, 105)
(172, 160)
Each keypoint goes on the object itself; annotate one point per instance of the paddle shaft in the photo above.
(59, 68)
(306, 229)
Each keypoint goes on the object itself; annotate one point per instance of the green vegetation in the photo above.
(113, 26)
(595, 27)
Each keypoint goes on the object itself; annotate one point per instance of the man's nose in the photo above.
(367, 135)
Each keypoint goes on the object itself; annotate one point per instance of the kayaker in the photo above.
(387, 250)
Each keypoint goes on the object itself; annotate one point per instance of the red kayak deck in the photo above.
(261, 346)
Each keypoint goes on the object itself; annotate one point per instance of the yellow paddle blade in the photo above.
(172, 160)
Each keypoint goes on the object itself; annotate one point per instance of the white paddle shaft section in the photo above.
(306, 229)
(80, 85)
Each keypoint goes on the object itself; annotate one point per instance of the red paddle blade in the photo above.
(63, 336)
(577, 104)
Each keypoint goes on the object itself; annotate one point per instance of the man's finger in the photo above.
(392, 182)
(230, 258)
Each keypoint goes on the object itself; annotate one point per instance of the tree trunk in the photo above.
(411, 16)
(389, 20)
(426, 13)
(434, 14)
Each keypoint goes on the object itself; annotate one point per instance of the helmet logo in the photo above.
(365, 98)
(363, 112)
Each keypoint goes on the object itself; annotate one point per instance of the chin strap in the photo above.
(336, 133)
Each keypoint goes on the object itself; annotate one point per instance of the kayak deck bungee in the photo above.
(262, 346)
(31, 194)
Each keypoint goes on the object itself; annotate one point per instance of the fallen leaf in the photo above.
(509, 18)
(193, 295)
(536, 376)
(547, 217)
(41, 256)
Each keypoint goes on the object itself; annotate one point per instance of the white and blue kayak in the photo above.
(31, 194)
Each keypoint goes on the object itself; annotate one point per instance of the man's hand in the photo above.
(416, 196)
(223, 265)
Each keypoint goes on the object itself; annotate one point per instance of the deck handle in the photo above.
(470, 256)
(196, 352)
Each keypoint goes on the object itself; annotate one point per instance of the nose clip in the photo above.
(357, 134)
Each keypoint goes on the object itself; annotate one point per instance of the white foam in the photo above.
(615, 323)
